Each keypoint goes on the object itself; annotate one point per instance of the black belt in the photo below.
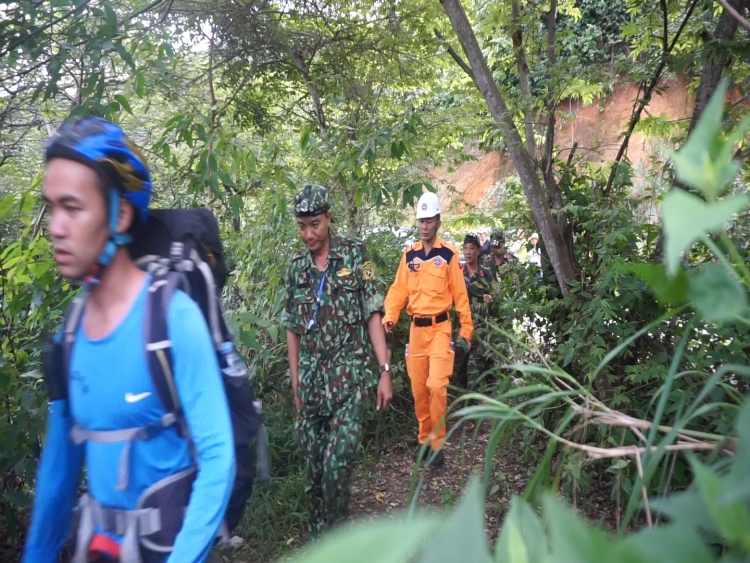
(429, 321)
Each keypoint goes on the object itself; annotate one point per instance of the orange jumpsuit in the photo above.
(432, 283)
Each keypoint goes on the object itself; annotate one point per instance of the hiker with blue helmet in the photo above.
(97, 189)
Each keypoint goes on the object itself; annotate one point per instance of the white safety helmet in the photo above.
(428, 206)
(534, 235)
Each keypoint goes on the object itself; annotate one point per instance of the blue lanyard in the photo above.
(317, 300)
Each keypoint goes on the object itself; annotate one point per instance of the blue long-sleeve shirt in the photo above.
(110, 389)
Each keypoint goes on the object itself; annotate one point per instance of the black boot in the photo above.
(438, 460)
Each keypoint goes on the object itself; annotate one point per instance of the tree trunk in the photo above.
(559, 256)
(549, 139)
(714, 67)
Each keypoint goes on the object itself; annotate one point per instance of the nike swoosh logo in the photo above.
(130, 398)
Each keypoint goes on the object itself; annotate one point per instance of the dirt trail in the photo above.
(381, 483)
(383, 486)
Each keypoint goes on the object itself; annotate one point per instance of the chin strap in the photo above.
(115, 239)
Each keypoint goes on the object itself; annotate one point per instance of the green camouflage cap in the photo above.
(311, 201)
(497, 237)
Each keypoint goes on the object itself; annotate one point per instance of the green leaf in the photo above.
(731, 518)
(168, 50)
(668, 290)
(53, 67)
(717, 294)
(124, 54)
(396, 150)
(123, 101)
(516, 552)
(573, 539)
(462, 537)
(110, 14)
(304, 138)
(522, 539)
(380, 541)
(238, 205)
(273, 332)
(248, 338)
(705, 161)
(254, 319)
(687, 218)
(17, 498)
(665, 544)
(7, 205)
(140, 84)
(569, 356)
(738, 473)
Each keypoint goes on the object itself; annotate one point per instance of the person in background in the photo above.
(518, 248)
(430, 278)
(479, 281)
(333, 319)
(484, 247)
(500, 255)
(535, 256)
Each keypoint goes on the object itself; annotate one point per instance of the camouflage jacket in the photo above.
(494, 267)
(335, 351)
(478, 286)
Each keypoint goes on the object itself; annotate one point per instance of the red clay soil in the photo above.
(597, 128)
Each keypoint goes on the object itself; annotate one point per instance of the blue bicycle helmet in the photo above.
(104, 147)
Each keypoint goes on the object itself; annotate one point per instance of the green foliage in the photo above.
(711, 506)
(688, 218)
(236, 108)
(30, 307)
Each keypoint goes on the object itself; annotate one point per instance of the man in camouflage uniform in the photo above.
(479, 281)
(500, 255)
(333, 317)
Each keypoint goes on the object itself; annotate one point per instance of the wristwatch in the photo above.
(385, 368)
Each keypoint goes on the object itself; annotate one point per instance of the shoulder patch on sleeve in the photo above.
(368, 270)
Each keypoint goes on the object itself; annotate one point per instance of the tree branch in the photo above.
(456, 57)
(735, 14)
(549, 140)
(645, 99)
(21, 40)
(144, 10)
(320, 115)
(572, 153)
(665, 22)
(523, 76)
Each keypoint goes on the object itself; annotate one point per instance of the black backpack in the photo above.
(181, 249)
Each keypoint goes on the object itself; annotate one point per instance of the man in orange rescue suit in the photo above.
(430, 277)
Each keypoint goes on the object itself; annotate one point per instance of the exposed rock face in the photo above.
(596, 128)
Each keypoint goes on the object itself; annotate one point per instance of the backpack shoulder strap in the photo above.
(158, 346)
(53, 367)
(58, 350)
(193, 257)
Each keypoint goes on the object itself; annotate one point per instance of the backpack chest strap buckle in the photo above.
(78, 435)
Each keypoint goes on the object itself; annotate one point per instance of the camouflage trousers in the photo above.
(477, 366)
(329, 440)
